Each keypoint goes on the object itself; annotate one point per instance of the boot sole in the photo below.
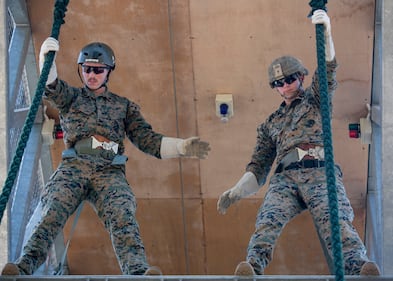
(244, 269)
(10, 269)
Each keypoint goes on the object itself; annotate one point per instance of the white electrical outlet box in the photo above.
(224, 106)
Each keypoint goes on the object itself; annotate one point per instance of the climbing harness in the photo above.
(327, 141)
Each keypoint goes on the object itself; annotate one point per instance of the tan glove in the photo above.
(191, 147)
(321, 17)
(50, 44)
(246, 186)
(47, 128)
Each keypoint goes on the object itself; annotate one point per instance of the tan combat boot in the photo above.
(153, 270)
(10, 269)
(244, 269)
(370, 268)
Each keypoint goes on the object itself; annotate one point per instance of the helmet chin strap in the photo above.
(300, 88)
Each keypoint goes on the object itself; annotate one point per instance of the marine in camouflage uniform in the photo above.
(293, 136)
(95, 122)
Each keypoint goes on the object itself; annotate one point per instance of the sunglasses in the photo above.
(95, 69)
(288, 79)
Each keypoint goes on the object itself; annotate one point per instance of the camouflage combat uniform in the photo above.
(95, 178)
(292, 191)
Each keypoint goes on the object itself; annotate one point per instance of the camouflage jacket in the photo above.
(83, 114)
(300, 122)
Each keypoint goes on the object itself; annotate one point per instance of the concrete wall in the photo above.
(173, 57)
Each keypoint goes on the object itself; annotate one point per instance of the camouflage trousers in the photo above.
(290, 193)
(105, 186)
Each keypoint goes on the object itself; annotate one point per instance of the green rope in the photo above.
(58, 15)
(327, 141)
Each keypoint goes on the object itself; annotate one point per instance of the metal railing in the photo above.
(23, 205)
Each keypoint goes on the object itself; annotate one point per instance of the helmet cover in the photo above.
(285, 66)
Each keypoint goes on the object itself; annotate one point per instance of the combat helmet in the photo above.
(285, 66)
(97, 52)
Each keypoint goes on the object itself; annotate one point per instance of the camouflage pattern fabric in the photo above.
(93, 177)
(83, 114)
(289, 126)
(292, 191)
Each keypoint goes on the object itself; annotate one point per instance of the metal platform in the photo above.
(191, 278)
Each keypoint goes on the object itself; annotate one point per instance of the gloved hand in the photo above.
(246, 186)
(321, 17)
(191, 147)
(50, 44)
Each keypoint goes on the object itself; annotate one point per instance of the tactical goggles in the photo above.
(95, 69)
(288, 79)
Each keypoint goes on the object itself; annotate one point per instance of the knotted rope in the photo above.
(60, 9)
(327, 142)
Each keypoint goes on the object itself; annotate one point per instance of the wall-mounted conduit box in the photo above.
(224, 106)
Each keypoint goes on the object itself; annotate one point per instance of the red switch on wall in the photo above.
(354, 130)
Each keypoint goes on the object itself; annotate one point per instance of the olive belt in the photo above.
(93, 146)
(89, 146)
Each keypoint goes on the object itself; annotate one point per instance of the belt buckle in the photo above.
(111, 146)
(317, 152)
